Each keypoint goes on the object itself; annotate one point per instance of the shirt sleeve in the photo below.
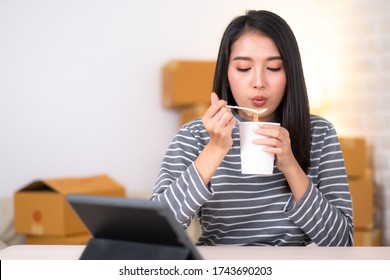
(179, 184)
(325, 211)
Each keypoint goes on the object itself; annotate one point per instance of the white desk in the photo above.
(73, 252)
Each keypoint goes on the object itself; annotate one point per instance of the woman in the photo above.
(307, 199)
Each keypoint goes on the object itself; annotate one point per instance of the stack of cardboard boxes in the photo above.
(42, 213)
(187, 86)
(361, 182)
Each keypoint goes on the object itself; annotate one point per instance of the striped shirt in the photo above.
(238, 209)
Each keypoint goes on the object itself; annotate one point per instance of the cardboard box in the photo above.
(186, 83)
(40, 208)
(189, 113)
(371, 237)
(72, 239)
(362, 192)
(355, 155)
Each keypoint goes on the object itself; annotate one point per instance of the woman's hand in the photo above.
(219, 123)
(279, 143)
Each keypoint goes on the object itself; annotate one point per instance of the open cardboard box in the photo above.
(71, 239)
(41, 207)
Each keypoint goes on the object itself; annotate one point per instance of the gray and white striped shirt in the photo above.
(237, 209)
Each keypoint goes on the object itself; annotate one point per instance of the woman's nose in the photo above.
(258, 79)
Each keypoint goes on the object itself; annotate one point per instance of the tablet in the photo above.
(129, 228)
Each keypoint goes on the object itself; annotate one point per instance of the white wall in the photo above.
(72, 74)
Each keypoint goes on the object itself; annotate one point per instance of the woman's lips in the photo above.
(259, 101)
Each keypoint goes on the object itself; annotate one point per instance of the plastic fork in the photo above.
(256, 111)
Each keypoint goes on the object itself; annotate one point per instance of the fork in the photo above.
(256, 111)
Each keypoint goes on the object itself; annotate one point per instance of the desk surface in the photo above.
(73, 252)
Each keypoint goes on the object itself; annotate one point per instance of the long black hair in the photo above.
(293, 112)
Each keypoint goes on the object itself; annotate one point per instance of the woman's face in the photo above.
(256, 74)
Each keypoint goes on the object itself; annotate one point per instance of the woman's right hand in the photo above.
(219, 122)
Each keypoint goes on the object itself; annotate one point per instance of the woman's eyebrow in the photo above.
(276, 57)
(242, 58)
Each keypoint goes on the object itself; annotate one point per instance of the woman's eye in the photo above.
(243, 69)
(274, 69)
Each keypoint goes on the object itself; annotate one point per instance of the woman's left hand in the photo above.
(278, 143)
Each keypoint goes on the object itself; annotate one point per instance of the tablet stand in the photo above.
(109, 249)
